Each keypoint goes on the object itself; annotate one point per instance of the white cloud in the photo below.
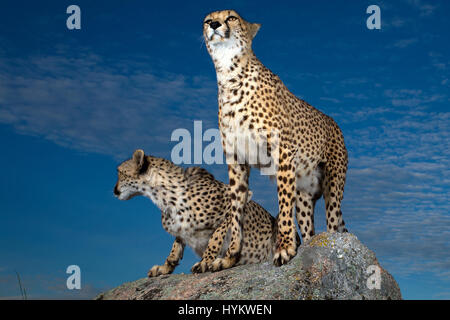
(405, 42)
(334, 100)
(359, 96)
(84, 103)
(425, 9)
(397, 194)
(411, 97)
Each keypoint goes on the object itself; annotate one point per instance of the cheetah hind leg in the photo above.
(333, 195)
(287, 235)
(215, 244)
(304, 207)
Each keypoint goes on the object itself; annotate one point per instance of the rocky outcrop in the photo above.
(329, 266)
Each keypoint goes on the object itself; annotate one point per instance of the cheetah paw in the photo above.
(222, 263)
(283, 256)
(201, 267)
(158, 271)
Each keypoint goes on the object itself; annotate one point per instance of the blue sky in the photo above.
(75, 103)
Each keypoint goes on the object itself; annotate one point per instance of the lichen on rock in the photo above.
(329, 266)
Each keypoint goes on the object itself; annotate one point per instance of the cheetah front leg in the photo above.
(238, 175)
(176, 254)
(286, 247)
(212, 251)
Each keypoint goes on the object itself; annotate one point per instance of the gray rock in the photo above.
(329, 266)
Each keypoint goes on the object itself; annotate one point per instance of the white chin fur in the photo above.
(216, 39)
(127, 195)
(223, 51)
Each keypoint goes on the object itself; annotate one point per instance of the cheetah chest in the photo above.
(243, 138)
(182, 224)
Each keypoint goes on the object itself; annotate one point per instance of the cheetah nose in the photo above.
(116, 191)
(215, 25)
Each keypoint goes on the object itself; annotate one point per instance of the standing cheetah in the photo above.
(312, 158)
(194, 206)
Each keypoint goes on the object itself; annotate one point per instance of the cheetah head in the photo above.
(133, 176)
(227, 29)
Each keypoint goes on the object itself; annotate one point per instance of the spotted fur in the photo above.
(193, 209)
(312, 158)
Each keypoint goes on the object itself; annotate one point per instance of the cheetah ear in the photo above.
(253, 29)
(138, 158)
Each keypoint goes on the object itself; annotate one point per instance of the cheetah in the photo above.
(193, 208)
(311, 161)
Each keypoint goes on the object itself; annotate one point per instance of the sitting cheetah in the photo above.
(311, 160)
(193, 209)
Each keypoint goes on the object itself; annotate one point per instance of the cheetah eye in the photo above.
(208, 21)
(231, 18)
